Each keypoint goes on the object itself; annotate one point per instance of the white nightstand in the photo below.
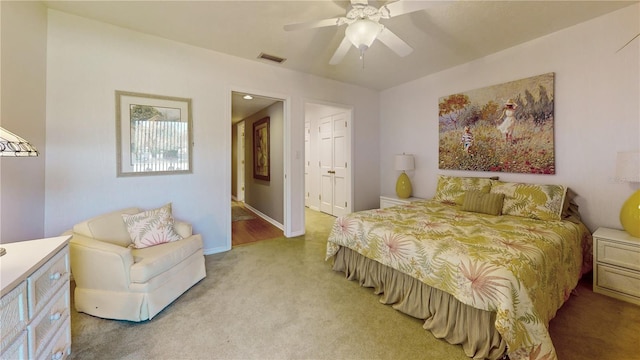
(616, 265)
(393, 200)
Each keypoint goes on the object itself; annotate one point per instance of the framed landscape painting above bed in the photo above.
(502, 128)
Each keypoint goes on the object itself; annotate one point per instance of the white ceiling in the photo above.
(242, 108)
(446, 34)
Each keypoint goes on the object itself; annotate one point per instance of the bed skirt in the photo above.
(445, 317)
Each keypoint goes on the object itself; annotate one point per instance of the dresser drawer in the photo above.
(60, 345)
(13, 314)
(618, 279)
(43, 327)
(16, 350)
(47, 280)
(616, 253)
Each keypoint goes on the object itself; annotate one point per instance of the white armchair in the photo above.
(116, 281)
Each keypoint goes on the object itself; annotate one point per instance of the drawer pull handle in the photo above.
(57, 355)
(55, 316)
(55, 276)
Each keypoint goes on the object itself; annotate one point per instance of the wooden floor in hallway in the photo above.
(252, 230)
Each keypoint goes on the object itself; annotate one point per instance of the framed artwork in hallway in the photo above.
(261, 152)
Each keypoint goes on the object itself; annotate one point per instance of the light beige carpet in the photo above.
(279, 299)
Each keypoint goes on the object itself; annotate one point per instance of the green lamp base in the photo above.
(403, 186)
(630, 215)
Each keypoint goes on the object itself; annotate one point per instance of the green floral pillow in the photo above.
(542, 202)
(485, 203)
(451, 189)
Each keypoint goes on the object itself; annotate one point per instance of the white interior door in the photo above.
(325, 143)
(334, 154)
(340, 164)
(241, 162)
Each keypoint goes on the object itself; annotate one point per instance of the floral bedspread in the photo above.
(521, 268)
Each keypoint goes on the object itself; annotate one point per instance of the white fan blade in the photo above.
(359, 2)
(394, 43)
(404, 7)
(341, 51)
(312, 24)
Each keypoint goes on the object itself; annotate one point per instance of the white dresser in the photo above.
(34, 308)
(616, 264)
(393, 200)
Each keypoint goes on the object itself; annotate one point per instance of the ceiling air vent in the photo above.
(273, 58)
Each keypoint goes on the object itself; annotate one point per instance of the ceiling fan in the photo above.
(363, 27)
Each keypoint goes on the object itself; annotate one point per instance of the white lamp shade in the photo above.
(404, 162)
(362, 33)
(13, 145)
(628, 166)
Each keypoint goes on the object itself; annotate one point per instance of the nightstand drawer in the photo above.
(384, 203)
(389, 201)
(615, 253)
(617, 279)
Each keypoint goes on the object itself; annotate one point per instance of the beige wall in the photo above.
(23, 111)
(597, 111)
(88, 60)
(266, 196)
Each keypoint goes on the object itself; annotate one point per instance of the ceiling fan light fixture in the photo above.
(362, 33)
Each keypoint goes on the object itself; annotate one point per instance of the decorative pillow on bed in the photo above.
(568, 200)
(451, 189)
(486, 203)
(542, 202)
(152, 227)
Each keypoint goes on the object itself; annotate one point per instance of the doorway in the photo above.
(301, 177)
(262, 196)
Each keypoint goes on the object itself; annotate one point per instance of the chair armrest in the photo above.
(183, 229)
(101, 265)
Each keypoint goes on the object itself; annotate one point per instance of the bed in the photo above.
(485, 263)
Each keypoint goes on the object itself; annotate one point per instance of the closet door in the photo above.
(334, 149)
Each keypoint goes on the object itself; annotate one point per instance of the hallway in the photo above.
(247, 229)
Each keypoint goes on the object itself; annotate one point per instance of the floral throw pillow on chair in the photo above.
(151, 227)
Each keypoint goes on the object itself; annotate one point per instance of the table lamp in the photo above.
(13, 145)
(404, 162)
(628, 169)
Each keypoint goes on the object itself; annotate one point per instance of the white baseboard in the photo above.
(265, 217)
(215, 250)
